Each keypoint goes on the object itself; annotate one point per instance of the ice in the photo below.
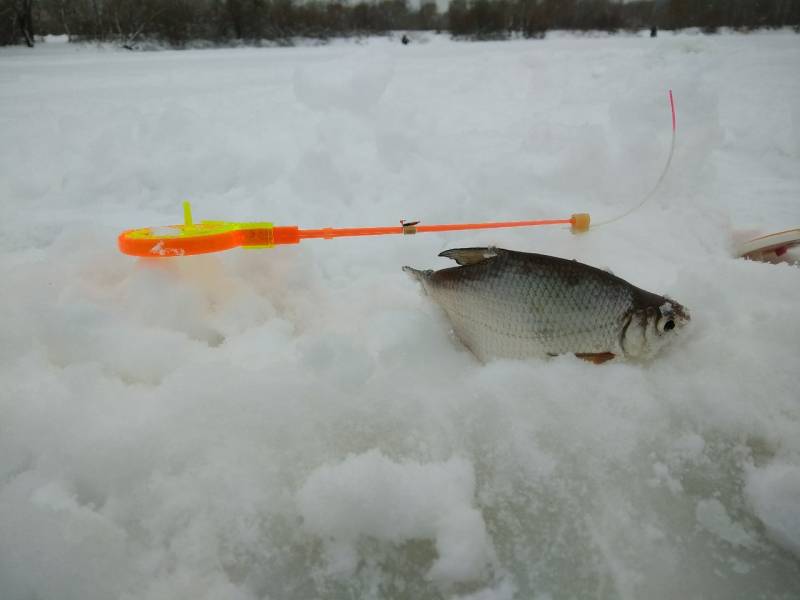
(300, 422)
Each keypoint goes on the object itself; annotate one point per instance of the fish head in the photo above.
(652, 325)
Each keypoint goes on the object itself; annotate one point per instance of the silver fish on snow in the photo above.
(507, 304)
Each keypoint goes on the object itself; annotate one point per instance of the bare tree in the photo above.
(16, 22)
(131, 18)
(62, 8)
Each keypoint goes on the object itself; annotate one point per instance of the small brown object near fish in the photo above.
(507, 304)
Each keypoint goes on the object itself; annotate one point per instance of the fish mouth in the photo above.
(674, 311)
(680, 311)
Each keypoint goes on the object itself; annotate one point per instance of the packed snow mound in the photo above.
(300, 422)
(372, 496)
(350, 83)
(773, 491)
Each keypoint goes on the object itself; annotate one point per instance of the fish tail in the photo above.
(423, 277)
(417, 274)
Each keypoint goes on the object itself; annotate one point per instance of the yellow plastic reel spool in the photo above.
(195, 238)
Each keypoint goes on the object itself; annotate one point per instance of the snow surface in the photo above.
(299, 423)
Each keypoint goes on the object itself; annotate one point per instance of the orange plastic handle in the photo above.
(179, 245)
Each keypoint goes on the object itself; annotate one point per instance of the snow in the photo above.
(370, 495)
(299, 422)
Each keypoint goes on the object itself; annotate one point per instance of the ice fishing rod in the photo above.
(204, 237)
(191, 238)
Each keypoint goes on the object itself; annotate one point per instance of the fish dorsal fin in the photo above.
(470, 256)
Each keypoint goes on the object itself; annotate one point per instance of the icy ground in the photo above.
(298, 423)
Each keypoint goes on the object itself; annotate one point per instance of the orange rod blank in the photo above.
(330, 232)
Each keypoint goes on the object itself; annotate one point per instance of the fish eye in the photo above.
(665, 324)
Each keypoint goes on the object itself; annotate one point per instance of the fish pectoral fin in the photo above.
(597, 358)
(470, 256)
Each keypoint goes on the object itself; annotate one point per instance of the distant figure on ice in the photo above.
(405, 40)
(653, 31)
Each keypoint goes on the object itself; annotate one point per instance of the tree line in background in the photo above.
(532, 18)
(178, 22)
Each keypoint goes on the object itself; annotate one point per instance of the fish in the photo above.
(519, 305)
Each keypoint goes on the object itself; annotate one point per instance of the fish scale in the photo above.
(507, 304)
